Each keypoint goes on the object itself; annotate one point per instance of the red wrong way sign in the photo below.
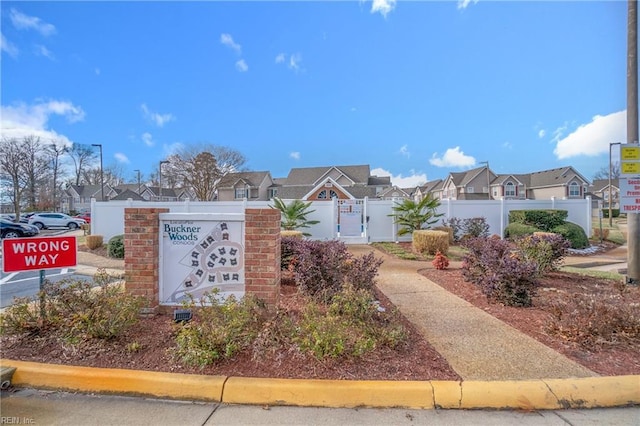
(25, 254)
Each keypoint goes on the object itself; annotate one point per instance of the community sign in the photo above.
(201, 253)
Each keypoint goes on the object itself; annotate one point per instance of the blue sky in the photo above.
(415, 89)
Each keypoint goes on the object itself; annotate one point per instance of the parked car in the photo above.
(85, 216)
(9, 229)
(55, 220)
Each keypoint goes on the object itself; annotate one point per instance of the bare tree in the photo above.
(36, 169)
(200, 168)
(12, 166)
(603, 173)
(55, 151)
(82, 156)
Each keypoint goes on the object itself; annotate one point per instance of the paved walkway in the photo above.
(476, 345)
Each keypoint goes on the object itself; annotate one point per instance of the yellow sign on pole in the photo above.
(630, 159)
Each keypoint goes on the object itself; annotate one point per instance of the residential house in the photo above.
(599, 190)
(483, 184)
(433, 187)
(326, 183)
(78, 197)
(254, 186)
(395, 192)
(473, 184)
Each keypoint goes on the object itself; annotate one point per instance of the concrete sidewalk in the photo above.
(477, 345)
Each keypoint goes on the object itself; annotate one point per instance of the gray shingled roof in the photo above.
(125, 194)
(553, 177)
(252, 178)
(310, 175)
(599, 184)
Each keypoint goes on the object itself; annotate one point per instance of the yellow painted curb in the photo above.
(552, 394)
(111, 380)
(328, 393)
(588, 392)
(612, 391)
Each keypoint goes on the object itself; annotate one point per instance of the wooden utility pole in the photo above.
(633, 219)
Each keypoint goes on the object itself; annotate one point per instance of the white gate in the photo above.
(351, 224)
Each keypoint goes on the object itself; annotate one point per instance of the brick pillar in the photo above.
(262, 254)
(141, 252)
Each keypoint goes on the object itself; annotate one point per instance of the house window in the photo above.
(333, 194)
(574, 189)
(273, 193)
(469, 189)
(322, 195)
(509, 190)
(240, 193)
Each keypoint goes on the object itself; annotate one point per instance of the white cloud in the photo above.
(383, 6)
(593, 138)
(294, 62)
(542, 133)
(147, 139)
(507, 145)
(453, 157)
(404, 150)
(8, 47)
(121, 158)
(43, 51)
(242, 66)
(415, 179)
(295, 155)
(25, 22)
(462, 4)
(227, 40)
(97, 71)
(21, 120)
(158, 119)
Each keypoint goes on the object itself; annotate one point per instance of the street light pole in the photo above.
(138, 180)
(610, 191)
(160, 176)
(101, 172)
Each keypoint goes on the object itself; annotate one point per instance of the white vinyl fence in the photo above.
(107, 218)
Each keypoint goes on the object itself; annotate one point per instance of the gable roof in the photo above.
(554, 177)
(599, 185)
(88, 190)
(125, 194)
(253, 179)
(311, 175)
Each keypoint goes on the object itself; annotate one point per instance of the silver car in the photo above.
(55, 220)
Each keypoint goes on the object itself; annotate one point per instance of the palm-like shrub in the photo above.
(411, 215)
(294, 215)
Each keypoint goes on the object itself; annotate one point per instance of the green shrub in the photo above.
(614, 213)
(545, 249)
(574, 233)
(544, 220)
(220, 328)
(75, 308)
(115, 247)
(351, 326)
(516, 230)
